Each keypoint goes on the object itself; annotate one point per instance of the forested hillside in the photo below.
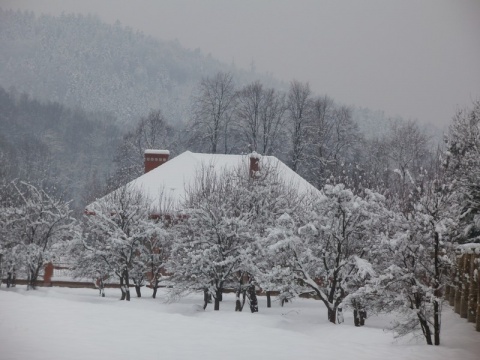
(67, 152)
(77, 60)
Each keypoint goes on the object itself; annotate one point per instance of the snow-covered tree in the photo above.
(154, 253)
(275, 266)
(264, 197)
(33, 223)
(331, 252)
(462, 165)
(115, 229)
(419, 265)
(207, 252)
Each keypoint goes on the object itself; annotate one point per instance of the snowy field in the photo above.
(64, 324)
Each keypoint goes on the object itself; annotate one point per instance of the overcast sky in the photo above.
(419, 59)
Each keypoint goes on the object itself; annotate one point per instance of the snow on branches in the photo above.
(33, 224)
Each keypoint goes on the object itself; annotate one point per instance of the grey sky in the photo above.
(418, 59)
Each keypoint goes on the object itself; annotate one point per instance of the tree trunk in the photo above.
(101, 288)
(356, 317)
(436, 322)
(122, 289)
(426, 330)
(340, 318)
(238, 304)
(218, 295)
(32, 280)
(332, 315)
(253, 299)
(155, 287)
(363, 316)
(269, 299)
(127, 285)
(205, 298)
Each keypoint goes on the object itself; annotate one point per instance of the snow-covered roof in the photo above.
(172, 179)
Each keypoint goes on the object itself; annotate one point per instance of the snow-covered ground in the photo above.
(61, 323)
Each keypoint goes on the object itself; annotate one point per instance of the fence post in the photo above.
(48, 274)
(459, 281)
(477, 327)
(452, 286)
(473, 291)
(465, 285)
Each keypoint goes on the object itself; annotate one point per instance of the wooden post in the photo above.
(452, 287)
(465, 286)
(459, 289)
(48, 274)
(477, 327)
(473, 291)
(447, 291)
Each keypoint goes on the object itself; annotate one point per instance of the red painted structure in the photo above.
(155, 158)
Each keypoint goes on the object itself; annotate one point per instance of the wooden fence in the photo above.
(463, 292)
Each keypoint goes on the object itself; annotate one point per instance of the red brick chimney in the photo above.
(155, 158)
(254, 163)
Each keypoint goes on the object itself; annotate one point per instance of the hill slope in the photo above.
(77, 60)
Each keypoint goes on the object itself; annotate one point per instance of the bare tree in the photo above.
(272, 120)
(260, 115)
(298, 114)
(320, 140)
(212, 111)
(248, 112)
(152, 132)
(332, 144)
(408, 149)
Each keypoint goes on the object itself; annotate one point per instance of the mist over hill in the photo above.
(67, 152)
(77, 60)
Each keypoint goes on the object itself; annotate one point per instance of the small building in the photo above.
(167, 181)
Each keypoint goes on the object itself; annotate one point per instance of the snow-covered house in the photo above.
(167, 181)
